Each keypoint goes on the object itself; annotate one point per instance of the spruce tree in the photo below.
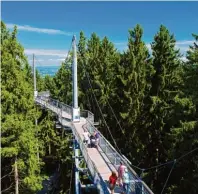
(192, 71)
(131, 86)
(84, 101)
(186, 135)
(167, 106)
(63, 83)
(19, 142)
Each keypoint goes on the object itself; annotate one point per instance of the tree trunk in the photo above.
(16, 177)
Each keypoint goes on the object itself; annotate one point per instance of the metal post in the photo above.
(76, 109)
(34, 74)
(76, 166)
(115, 159)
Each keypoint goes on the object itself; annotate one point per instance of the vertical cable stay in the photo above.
(87, 75)
(115, 116)
(168, 176)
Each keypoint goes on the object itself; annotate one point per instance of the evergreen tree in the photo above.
(167, 106)
(84, 101)
(91, 65)
(19, 143)
(132, 78)
(192, 71)
(49, 84)
(186, 136)
(63, 83)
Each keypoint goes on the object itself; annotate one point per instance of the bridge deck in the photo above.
(98, 157)
(101, 162)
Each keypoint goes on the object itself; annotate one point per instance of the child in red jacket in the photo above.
(112, 181)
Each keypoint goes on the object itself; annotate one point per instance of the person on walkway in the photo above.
(112, 181)
(121, 173)
(92, 141)
(86, 137)
(96, 134)
(126, 181)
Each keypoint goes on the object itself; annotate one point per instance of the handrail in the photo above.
(117, 157)
(88, 115)
(91, 166)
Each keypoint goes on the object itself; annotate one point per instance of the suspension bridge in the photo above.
(99, 162)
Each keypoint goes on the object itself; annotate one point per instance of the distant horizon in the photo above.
(47, 70)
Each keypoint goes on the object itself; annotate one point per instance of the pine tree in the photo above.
(91, 65)
(192, 71)
(104, 74)
(186, 136)
(49, 84)
(19, 151)
(63, 83)
(132, 78)
(83, 85)
(167, 106)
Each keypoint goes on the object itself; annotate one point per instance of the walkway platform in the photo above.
(100, 162)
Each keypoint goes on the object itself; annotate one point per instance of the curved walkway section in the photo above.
(99, 162)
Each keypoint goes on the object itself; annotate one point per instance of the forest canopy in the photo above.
(153, 96)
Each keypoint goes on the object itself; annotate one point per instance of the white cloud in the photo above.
(183, 45)
(185, 42)
(46, 52)
(46, 57)
(38, 30)
(62, 59)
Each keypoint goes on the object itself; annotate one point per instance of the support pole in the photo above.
(34, 75)
(76, 109)
(77, 180)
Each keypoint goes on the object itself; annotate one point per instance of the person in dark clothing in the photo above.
(92, 141)
(96, 134)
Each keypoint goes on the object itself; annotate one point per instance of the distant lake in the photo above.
(47, 70)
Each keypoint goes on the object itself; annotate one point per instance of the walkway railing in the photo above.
(88, 115)
(136, 184)
(91, 166)
(59, 108)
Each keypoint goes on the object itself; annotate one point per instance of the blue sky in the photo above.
(46, 28)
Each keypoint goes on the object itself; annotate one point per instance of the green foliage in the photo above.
(186, 137)
(154, 98)
(62, 83)
(132, 85)
(191, 71)
(19, 145)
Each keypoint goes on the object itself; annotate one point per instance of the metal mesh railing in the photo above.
(91, 166)
(59, 109)
(88, 115)
(136, 184)
(56, 106)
